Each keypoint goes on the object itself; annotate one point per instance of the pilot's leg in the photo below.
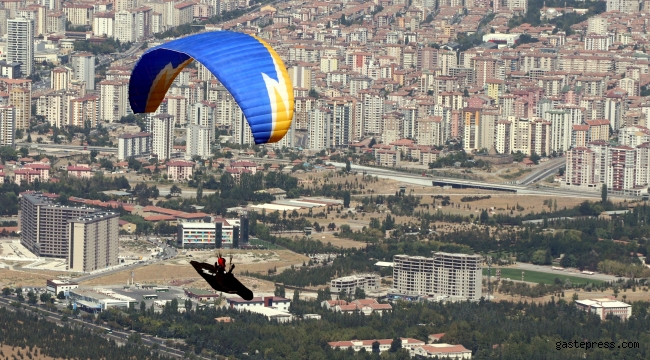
(232, 267)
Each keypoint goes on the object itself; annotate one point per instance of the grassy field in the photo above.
(540, 277)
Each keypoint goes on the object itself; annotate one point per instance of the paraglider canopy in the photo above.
(247, 66)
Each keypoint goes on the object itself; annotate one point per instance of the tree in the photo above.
(359, 293)
(484, 216)
(175, 191)
(535, 158)
(346, 199)
(29, 138)
(143, 307)
(23, 151)
(540, 257)
(93, 155)
(348, 166)
(280, 291)
(395, 345)
(375, 347)
(31, 298)
(135, 338)
(6, 291)
(60, 295)
(8, 153)
(603, 194)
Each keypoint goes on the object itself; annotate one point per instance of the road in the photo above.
(464, 183)
(547, 269)
(67, 147)
(118, 336)
(543, 171)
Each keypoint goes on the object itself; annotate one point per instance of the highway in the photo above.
(543, 171)
(67, 147)
(118, 336)
(464, 183)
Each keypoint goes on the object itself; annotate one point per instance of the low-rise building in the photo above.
(201, 295)
(180, 170)
(80, 171)
(272, 307)
(27, 176)
(364, 306)
(384, 344)
(54, 287)
(441, 351)
(605, 306)
(275, 302)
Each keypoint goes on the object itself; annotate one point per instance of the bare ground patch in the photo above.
(178, 270)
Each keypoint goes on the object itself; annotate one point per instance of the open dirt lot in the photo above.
(638, 295)
(328, 237)
(27, 277)
(178, 271)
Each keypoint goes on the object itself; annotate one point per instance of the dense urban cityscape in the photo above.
(459, 179)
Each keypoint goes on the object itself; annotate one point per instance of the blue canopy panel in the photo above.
(247, 66)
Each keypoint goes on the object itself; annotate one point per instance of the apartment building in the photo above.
(180, 170)
(7, 125)
(20, 44)
(94, 241)
(44, 225)
(130, 145)
(581, 169)
(445, 274)
(349, 284)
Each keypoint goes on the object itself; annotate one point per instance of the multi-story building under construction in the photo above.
(445, 274)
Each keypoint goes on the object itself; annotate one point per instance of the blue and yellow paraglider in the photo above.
(247, 66)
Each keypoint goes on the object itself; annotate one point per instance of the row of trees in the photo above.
(502, 330)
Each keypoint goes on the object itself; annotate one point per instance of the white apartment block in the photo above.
(104, 24)
(162, 128)
(202, 113)
(79, 14)
(94, 242)
(580, 169)
(60, 78)
(114, 100)
(430, 131)
(242, 133)
(597, 25)
(198, 142)
(56, 22)
(84, 110)
(182, 13)
(320, 121)
(83, 65)
(349, 284)
(7, 125)
(130, 145)
(125, 26)
(445, 274)
(20, 44)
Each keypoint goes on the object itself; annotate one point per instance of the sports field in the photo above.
(540, 277)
